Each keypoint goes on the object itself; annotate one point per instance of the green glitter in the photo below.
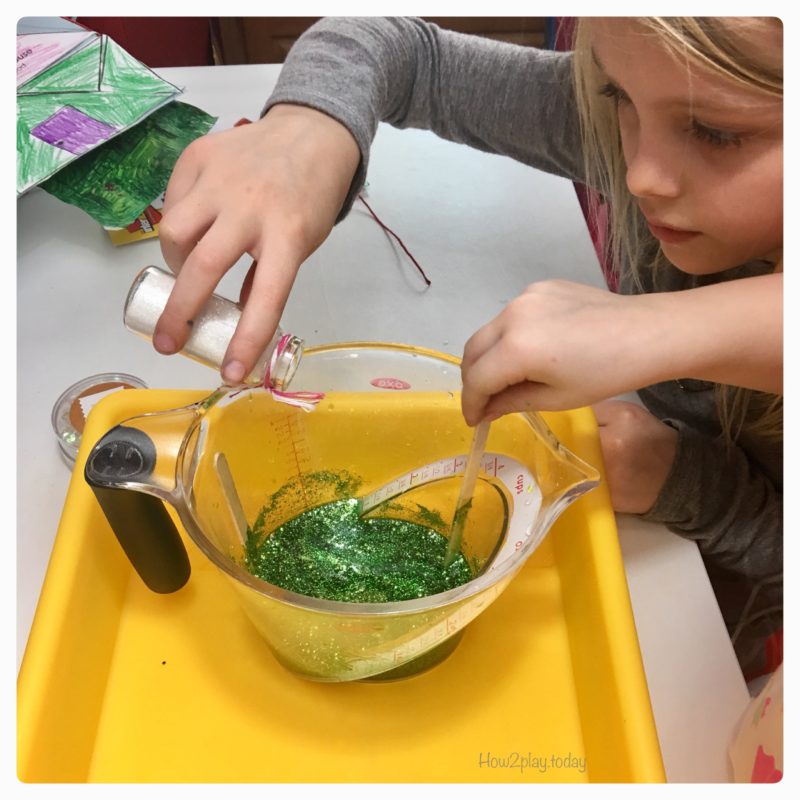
(461, 514)
(302, 491)
(431, 519)
(212, 399)
(423, 515)
(332, 553)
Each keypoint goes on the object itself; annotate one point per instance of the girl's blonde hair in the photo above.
(711, 43)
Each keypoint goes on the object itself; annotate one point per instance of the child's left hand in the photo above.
(563, 345)
(638, 451)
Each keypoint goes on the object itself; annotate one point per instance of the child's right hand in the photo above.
(273, 190)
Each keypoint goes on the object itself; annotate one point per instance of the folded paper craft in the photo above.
(117, 181)
(75, 92)
(37, 52)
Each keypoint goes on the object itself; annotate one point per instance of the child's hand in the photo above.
(638, 452)
(559, 345)
(272, 189)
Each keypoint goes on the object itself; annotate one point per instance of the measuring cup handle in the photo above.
(139, 520)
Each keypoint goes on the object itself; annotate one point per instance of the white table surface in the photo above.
(483, 227)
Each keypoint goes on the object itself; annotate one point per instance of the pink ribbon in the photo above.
(305, 400)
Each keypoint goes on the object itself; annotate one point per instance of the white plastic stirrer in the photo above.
(231, 495)
(467, 488)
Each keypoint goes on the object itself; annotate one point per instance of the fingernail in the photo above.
(164, 343)
(233, 372)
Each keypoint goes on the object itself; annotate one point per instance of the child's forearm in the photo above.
(563, 345)
(730, 332)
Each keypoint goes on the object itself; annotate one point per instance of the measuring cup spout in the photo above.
(132, 470)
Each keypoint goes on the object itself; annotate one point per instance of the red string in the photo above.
(399, 240)
(245, 121)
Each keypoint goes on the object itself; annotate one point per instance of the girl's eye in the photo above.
(714, 136)
(613, 92)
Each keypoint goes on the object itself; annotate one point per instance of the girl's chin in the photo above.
(699, 263)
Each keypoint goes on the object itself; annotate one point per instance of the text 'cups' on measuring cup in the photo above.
(389, 432)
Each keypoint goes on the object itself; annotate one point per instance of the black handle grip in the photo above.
(139, 521)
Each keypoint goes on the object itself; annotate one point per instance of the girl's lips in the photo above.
(670, 235)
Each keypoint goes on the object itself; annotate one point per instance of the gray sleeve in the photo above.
(497, 97)
(716, 496)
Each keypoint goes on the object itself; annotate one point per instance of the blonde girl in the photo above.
(676, 124)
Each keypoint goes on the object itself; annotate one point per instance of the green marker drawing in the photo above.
(115, 182)
(80, 102)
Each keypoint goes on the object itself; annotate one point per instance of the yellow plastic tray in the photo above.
(119, 684)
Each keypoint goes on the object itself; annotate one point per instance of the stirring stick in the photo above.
(467, 488)
(231, 496)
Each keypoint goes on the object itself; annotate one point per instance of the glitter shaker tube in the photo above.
(212, 328)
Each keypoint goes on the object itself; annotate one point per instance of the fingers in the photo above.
(181, 231)
(247, 284)
(473, 395)
(271, 283)
(501, 366)
(523, 396)
(183, 178)
(183, 222)
(218, 250)
(609, 412)
(270, 189)
(604, 411)
(479, 343)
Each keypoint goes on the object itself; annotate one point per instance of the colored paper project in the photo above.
(37, 52)
(116, 182)
(145, 226)
(82, 91)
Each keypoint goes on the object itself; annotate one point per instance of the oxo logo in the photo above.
(390, 383)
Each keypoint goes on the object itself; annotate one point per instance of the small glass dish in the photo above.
(72, 407)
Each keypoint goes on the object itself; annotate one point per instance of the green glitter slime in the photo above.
(332, 553)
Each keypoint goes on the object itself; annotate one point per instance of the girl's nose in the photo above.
(653, 167)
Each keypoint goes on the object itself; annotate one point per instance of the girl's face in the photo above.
(704, 155)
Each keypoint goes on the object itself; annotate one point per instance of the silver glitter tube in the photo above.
(212, 328)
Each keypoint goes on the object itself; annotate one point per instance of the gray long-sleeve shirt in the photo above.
(519, 102)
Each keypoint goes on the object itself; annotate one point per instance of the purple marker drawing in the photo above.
(73, 131)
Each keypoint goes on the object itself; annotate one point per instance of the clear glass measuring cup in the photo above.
(390, 432)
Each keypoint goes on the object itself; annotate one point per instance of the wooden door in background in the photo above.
(267, 40)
